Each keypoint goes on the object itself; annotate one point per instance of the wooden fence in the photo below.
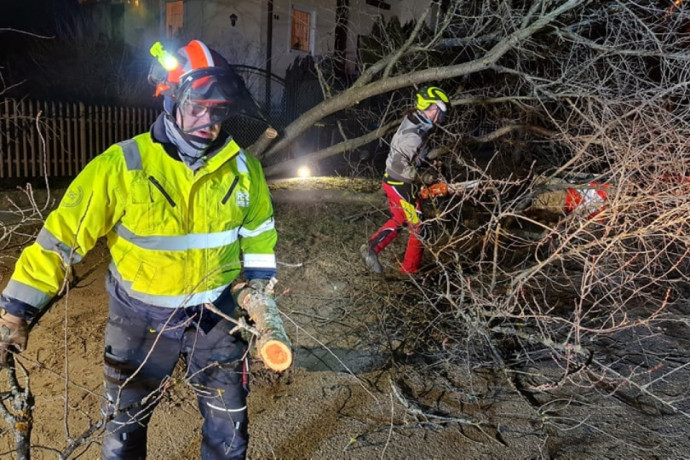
(58, 139)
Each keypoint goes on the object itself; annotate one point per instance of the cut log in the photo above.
(273, 344)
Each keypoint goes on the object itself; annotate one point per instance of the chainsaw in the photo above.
(440, 189)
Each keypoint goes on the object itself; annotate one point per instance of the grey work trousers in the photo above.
(141, 351)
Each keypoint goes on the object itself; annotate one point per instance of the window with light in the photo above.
(300, 36)
(173, 18)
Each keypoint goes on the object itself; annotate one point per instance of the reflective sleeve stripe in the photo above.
(169, 301)
(27, 294)
(48, 242)
(259, 260)
(267, 225)
(225, 409)
(179, 243)
(242, 163)
(131, 421)
(130, 149)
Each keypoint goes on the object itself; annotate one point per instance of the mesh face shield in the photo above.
(211, 95)
(442, 112)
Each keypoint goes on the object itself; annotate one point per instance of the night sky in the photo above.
(43, 17)
(51, 49)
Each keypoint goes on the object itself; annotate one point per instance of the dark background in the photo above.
(52, 51)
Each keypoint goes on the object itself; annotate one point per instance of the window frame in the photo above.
(311, 30)
(179, 6)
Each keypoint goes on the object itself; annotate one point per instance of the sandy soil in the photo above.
(353, 391)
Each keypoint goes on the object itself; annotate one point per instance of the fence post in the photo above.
(15, 162)
(3, 141)
(36, 130)
(69, 159)
(28, 138)
(35, 139)
(55, 137)
(137, 119)
(22, 165)
(128, 120)
(76, 155)
(100, 128)
(82, 135)
(58, 155)
(108, 116)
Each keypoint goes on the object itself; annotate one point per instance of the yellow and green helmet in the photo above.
(428, 95)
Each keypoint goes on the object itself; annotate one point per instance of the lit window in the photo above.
(173, 18)
(300, 36)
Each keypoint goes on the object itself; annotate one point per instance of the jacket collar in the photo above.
(222, 150)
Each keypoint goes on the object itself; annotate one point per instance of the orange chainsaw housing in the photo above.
(437, 189)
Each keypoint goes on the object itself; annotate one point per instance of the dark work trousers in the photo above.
(141, 351)
(405, 209)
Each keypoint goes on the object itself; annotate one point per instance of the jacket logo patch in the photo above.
(73, 197)
(242, 199)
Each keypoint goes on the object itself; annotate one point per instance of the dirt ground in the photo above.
(352, 393)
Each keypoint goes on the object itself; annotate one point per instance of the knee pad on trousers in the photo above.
(225, 433)
(125, 434)
(127, 415)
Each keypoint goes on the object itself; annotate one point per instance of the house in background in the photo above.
(267, 35)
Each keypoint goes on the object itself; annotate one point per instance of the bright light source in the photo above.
(167, 60)
(170, 62)
(304, 171)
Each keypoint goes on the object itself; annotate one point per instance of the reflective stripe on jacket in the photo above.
(174, 235)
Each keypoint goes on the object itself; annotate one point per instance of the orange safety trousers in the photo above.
(405, 210)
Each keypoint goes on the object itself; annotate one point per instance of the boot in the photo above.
(370, 258)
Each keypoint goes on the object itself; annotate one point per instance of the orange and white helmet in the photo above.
(196, 75)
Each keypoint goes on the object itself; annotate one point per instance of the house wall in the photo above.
(142, 24)
(245, 42)
(362, 17)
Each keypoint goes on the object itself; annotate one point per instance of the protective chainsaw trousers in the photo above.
(141, 351)
(405, 210)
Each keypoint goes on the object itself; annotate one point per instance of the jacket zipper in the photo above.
(232, 188)
(158, 185)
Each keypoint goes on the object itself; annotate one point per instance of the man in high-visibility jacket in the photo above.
(184, 210)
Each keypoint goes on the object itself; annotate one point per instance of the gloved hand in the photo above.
(242, 291)
(14, 334)
(428, 177)
(272, 344)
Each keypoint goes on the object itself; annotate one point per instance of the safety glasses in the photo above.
(206, 97)
(213, 111)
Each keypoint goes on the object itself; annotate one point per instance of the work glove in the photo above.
(14, 334)
(421, 157)
(252, 288)
(428, 177)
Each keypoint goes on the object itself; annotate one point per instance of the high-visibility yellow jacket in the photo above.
(175, 235)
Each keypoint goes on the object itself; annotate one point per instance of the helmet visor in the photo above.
(208, 95)
(442, 112)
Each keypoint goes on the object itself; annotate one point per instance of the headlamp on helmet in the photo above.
(167, 60)
(165, 65)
